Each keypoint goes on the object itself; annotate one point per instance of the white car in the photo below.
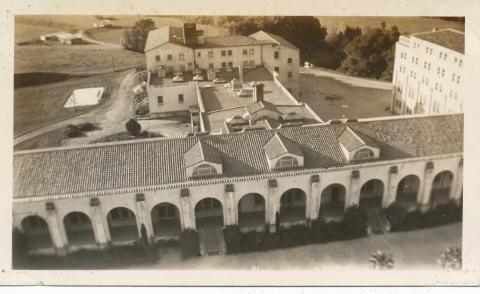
(198, 78)
(178, 78)
(243, 93)
(219, 81)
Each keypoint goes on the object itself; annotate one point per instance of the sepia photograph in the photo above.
(237, 142)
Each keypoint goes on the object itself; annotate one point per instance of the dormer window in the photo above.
(356, 146)
(286, 162)
(203, 160)
(363, 154)
(283, 153)
(204, 170)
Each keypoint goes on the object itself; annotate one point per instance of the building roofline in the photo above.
(102, 144)
(193, 183)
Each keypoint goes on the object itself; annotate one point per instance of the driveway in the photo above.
(417, 250)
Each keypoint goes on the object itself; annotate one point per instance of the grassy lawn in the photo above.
(333, 98)
(418, 249)
(404, 24)
(41, 105)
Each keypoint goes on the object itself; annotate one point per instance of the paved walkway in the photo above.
(418, 249)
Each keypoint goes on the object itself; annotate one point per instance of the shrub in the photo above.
(396, 215)
(233, 237)
(72, 131)
(133, 127)
(87, 127)
(189, 243)
(451, 258)
(356, 221)
(19, 249)
(381, 261)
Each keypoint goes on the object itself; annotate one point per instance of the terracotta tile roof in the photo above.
(261, 35)
(350, 140)
(278, 145)
(164, 35)
(447, 38)
(202, 152)
(159, 161)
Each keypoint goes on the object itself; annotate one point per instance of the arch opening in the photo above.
(36, 233)
(332, 202)
(209, 213)
(78, 228)
(166, 220)
(407, 192)
(293, 206)
(122, 225)
(251, 211)
(371, 194)
(441, 188)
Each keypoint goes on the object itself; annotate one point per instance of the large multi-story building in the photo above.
(91, 196)
(177, 49)
(427, 76)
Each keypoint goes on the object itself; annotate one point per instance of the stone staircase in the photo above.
(212, 241)
(377, 221)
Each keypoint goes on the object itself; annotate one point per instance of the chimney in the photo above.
(189, 34)
(258, 92)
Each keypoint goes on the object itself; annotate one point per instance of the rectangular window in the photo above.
(276, 54)
(245, 63)
(157, 57)
(210, 65)
(289, 60)
(251, 63)
(229, 52)
(276, 69)
(199, 54)
(181, 56)
(224, 53)
(460, 62)
(160, 99)
(210, 54)
(180, 98)
(224, 64)
(244, 51)
(289, 74)
(169, 57)
(251, 51)
(230, 64)
(458, 79)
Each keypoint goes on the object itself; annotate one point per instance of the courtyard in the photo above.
(417, 250)
(333, 95)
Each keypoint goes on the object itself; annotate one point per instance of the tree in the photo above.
(133, 127)
(381, 261)
(451, 258)
(356, 221)
(135, 38)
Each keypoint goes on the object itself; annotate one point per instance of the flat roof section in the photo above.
(218, 97)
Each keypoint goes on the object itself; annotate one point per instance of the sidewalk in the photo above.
(418, 249)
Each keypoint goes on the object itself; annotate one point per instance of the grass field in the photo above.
(75, 59)
(41, 105)
(404, 24)
(347, 99)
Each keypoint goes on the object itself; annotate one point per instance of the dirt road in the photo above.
(110, 117)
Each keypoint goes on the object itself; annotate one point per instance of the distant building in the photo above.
(69, 198)
(427, 75)
(62, 37)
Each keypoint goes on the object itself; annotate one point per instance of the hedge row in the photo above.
(353, 226)
(441, 214)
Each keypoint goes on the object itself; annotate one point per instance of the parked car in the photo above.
(198, 77)
(254, 83)
(178, 78)
(243, 93)
(219, 81)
